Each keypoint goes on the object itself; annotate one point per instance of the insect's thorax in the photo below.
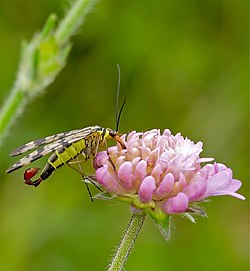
(87, 147)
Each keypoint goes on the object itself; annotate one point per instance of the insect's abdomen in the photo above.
(86, 146)
(67, 153)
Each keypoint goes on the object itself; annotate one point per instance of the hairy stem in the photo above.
(41, 61)
(127, 242)
(73, 19)
(11, 105)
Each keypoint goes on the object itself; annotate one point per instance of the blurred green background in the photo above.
(184, 66)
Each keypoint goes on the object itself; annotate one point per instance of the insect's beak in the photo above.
(118, 139)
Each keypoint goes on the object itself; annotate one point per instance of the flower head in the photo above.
(162, 174)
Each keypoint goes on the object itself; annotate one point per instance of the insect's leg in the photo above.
(80, 171)
(110, 160)
(89, 192)
(91, 179)
(86, 178)
(76, 162)
(98, 144)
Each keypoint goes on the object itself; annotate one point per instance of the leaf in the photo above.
(162, 222)
(189, 217)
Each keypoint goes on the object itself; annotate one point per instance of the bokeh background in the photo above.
(184, 66)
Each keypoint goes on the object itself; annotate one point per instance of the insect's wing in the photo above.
(58, 144)
(45, 140)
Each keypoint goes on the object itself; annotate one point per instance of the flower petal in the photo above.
(196, 188)
(100, 159)
(140, 170)
(111, 185)
(164, 187)
(146, 189)
(101, 172)
(219, 181)
(162, 172)
(177, 204)
(156, 173)
(125, 175)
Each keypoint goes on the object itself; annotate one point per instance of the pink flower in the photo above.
(162, 174)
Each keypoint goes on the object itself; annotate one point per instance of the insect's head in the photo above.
(114, 134)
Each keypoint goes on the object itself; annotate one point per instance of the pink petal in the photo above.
(133, 153)
(154, 156)
(111, 185)
(125, 175)
(164, 187)
(132, 135)
(180, 184)
(145, 153)
(167, 132)
(133, 143)
(156, 173)
(100, 159)
(234, 185)
(182, 181)
(227, 192)
(100, 173)
(135, 161)
(218, 181)
(140, 170)
(148, 138)
(177, 204)
(146, 189)
(161, 142)
(119, 161)
(228, 189)
(205, 160)
(196, 188)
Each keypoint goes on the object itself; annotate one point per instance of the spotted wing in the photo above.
(56, 145)
(48, 139)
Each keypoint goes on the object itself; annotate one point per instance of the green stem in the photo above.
(39, 65)
(73, 19)
(127, 242)
(12, 104)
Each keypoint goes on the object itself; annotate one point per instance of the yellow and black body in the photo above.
(66, 147)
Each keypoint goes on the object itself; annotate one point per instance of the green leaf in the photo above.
(162, 222)
(189, 217)
(49, 26)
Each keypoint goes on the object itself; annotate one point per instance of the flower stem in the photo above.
(41, 61)
(127, 242)
(73, 19)
(11, 105)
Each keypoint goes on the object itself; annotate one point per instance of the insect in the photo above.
(65, 147)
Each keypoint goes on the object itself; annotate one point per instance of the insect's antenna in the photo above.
(119, 115)
(117, 112)
(117, 96)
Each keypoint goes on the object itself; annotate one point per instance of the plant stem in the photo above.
(10, 106)
(73, 19)
(41, 61)
(127, 242)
